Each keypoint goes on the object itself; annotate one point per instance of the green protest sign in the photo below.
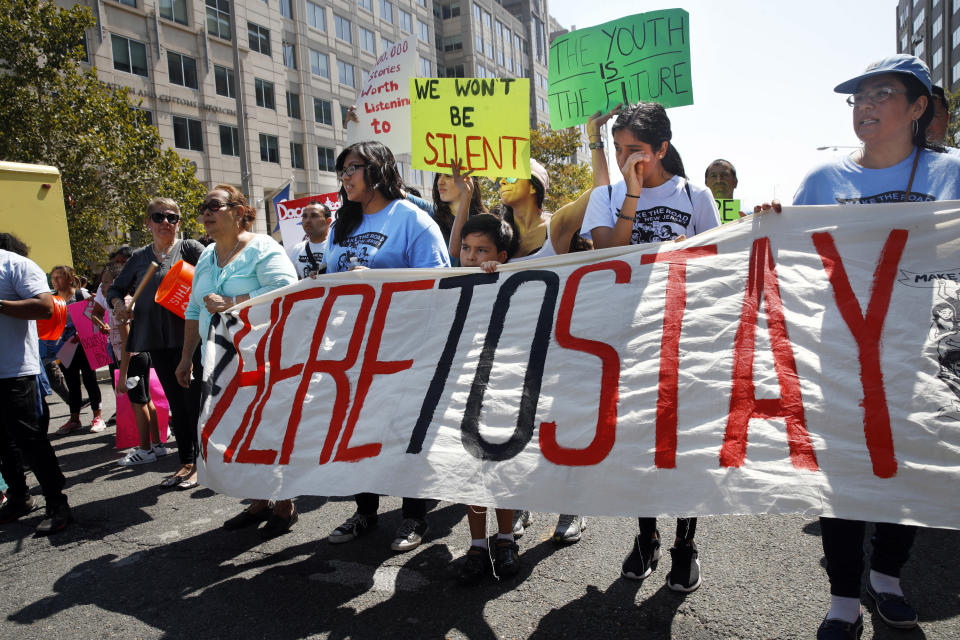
(729, 209)
(641, 57)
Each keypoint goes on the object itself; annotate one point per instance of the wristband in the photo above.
(630, 218)
(632, 195)
(596, 145)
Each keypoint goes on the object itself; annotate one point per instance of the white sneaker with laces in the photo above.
(569, 528)
(521, 520)
(98, 425)
(409, 534)
(137, 456)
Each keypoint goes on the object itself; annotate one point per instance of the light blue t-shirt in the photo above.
(398, 236)
(843, 181)
(261, 266)
(20, 279)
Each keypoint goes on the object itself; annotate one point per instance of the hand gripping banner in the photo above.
(807, 362)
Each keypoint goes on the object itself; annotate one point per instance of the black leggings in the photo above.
(686, 528)
(368, 503)
(843, 549)
(184, 403)
(80, 369)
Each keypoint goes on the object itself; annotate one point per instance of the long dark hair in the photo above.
(915, 89)
(648, 122)
(506, 212)
(380, 173)
(442, 214)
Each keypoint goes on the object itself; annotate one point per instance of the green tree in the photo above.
(953, 99)
(55, 112)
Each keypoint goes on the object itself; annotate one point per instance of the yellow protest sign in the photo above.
(482, 122)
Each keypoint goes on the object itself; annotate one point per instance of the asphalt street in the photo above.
(141, 562)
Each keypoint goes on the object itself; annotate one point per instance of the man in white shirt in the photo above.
(307, 255)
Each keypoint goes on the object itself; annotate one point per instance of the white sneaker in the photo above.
(137, 456)
(98, 425)
(160, 450)
(569, 528)
(521, 520)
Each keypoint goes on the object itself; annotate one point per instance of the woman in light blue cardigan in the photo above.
(239, 265)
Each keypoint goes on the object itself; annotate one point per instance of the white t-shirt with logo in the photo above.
(301, 260)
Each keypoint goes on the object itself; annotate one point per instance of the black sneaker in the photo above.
(506, 559)
(354, 527)
(840, 629)
(13, 509)
(685, 569)
(476, 566)
(57, 519)
(893, 609)
(643, 558)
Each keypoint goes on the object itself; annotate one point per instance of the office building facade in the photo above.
(930, 30)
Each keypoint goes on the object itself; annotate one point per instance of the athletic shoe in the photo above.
(277, 525)
(685, 568)
(835, 629)
(893, 609)
(98, 425)
(569, 528)
(506, 559)
(57, 519)
(160, 450)
(69, 427)
(12, 510)
(521, 520)
(354, 527)
(643, 558)
(409, 534)
(476, 566)
(137, 456)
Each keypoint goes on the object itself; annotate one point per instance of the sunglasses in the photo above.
(170, 216)
(508, 180)
(214, 205)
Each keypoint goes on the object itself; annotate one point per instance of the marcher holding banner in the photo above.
(376, 228)
(891, 111)
(664, 206)
(239, 265)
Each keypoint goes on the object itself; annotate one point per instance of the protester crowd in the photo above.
(897, 114)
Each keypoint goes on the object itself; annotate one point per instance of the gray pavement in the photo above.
(141, 562)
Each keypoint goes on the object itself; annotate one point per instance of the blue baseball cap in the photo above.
(900, 63)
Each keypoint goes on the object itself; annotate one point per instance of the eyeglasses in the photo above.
(214, 206)
(874, 96)
(170, 216)
(350, 169)
(508, 181)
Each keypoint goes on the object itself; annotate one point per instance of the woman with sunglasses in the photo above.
(237, 266)
(158, 332)
(376, 228)
(891, 111)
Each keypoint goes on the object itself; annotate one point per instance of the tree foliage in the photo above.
(953, 130)
(55, 112)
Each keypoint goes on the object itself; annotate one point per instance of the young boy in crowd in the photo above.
(485, 243)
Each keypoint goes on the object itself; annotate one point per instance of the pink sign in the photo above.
(127, 434)
(95, 344)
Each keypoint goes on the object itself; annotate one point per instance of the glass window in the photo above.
(259, 38)
(424, 31)
(478, 44)
(319, 64)
(506, 36)
(422, 3)
(453, 43)
(486, 19)
(918, 20)
(368, 40)
(264, 93)
(343, 115)
(919, 49)
(229, 141)
(225, 81)
(296, 155)
(218, 18)
(343, 28)
(145, 114)
(345, 73)
(365, 4)
(498, 28)
(490, 50)
(286, 8)
(385, 43)
(937, 26)
(316, 16)
(406, 22)
(269, 148)
(386, 11)
(937, 58)
(187, 133)
(175, 10)
(182, 69)
(129, 55)
(476, 12)
(129, 3)
(322, 111)
(293, 105)
(327, 159)
(500, 57)
(425, 68)
(903, 42)
(289, 56)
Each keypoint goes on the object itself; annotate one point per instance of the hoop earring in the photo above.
(916, 127)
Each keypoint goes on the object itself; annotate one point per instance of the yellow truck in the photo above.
(31, 208)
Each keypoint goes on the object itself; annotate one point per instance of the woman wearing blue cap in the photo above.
(891, 110)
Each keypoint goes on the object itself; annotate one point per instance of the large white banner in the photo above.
(798, 363)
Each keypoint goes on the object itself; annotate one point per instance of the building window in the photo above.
(296, 155)
(175, 10)
(486, 20)
(319, 64)
(918, 20)
(476, 12)
(365, 4)
(455, 71)
(424, 34)
(385, 43)
(293, 105)
(269, 148)
(259, 38)
(289, 56)
(368, 40)
(145, 114)
(490, 50)
(498, 28)
(345, 73)
(481, 71)
(422, 3)
(406, 22)
(386, 11)
(264, 91)
(218, 18)
(316, 16)
(451, 10)
(903, 42)
(187, 133)
(229, 141)
(129, 55)
(425, 68)
(506, 36)
(937, 26)
(342, 26)
(519, 69)
(509, 63)
(129, 3)
(500, 57)
(478, 45)
(225, 81)
(182, 70)
(919, 49)
(453, 43)
(937, 57)
(322, 111)
(343, 115)
(517, 43)
(327, 159)
(286, 8)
